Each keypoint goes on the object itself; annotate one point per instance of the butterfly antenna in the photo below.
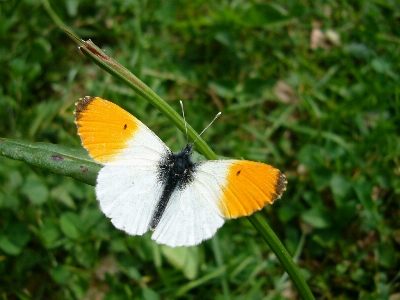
(218, 114)
(183, 114)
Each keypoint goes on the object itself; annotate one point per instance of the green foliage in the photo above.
(69, 161)
(327, 116)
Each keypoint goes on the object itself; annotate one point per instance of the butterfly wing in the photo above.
(128, 196)
(222, 189)
(191, 216)
(245, 186)
(127, 186)
(111, 135)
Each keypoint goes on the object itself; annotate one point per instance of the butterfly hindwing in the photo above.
(188, 219)
(128, 195)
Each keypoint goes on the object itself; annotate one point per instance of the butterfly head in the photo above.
(187, 150)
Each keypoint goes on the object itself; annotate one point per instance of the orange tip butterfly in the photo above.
(144, 186)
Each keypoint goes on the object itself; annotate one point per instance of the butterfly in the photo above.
(144, 186)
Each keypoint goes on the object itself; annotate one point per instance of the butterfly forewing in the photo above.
(128, 196)
(243, 186)
(111, 135)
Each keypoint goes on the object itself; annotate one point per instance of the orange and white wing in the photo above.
(243, 186)
(127, 186)
(111, 135)
(222, 189)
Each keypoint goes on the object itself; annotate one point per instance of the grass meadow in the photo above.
(310, 87)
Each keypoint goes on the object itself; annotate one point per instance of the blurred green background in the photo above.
(311, 87)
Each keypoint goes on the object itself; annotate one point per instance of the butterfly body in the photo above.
(175, 171)
(144, 186)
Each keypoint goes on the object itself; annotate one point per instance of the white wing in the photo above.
(192, 214)
(128, 195)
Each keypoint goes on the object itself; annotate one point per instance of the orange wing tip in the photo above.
(250, 186)
(105, 128)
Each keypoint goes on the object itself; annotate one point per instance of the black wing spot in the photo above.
(238, 172)
(125, 126)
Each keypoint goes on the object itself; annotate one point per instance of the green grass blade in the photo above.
(67, 161)
(281, 253)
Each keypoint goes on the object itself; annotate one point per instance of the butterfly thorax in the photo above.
(175, 171)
